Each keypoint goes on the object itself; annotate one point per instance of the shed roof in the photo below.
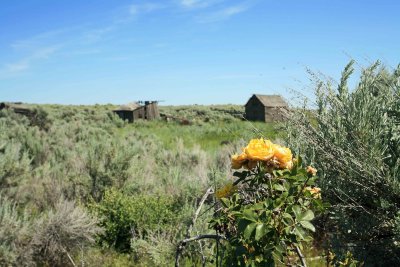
(129, 107)
(14, 105)
(270, 100)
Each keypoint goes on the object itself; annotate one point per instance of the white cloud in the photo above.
(136, 9)
(41, 46)
(222, 14)
(83, 52)
(230, 11)
(191, 4)
(44, 52)
(149, 7)
(209, 11)
(25, 63)
(37, 40)
(17, 66)
(97, 34)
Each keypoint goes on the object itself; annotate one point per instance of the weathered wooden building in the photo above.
(18, 108)
(266, 108)
(134, 111)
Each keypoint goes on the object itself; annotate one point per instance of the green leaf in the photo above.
(300, 234)
(308, 215)
(299, 161)
(297, 210)
(249, 230)
(259, 258)
(261, 230)
(279, 187)
(240, 250)
(265, 216)
(307, 225)
(258, 206)
(278, 173)
(250, 215)
(280, 249)
(287, 218)
(225, 202)
(277, 255)
(237, 174)
(241, 175)
(242, 224)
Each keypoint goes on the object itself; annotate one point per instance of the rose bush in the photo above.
(266, 213)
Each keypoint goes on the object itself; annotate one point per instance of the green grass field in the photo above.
(209, 136)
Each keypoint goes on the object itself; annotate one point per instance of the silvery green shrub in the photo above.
(353, 138)
(15, 233)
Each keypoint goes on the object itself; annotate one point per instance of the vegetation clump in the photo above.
(266, 214)
(78, 174)
(353, 138)
(126, 218)
(79, 186)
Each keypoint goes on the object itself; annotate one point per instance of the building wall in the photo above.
(139, 113)
(147, 112)
(274, 114)
(152, 111)
(125, 115)
(255, 110)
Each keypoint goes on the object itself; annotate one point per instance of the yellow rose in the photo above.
(288, 165)
(284, 156)
(238, 160)
(315, 191)
(311, 170)
(259, 149)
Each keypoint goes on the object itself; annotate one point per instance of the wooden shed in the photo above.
(18, 108)
(266, 108)
(134, 111)
(151, 111)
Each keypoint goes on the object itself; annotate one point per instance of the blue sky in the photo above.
(185, 51)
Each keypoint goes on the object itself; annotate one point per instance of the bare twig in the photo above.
(196, 214)
(69, 257)
(190, 228)
(301, 257)
(203, 258)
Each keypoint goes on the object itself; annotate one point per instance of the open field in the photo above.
(73, 155)
(79, 186)
(199, 133)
